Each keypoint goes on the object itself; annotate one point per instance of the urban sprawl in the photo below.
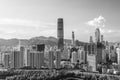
(93, 60)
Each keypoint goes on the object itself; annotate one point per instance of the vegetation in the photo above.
(53, 75)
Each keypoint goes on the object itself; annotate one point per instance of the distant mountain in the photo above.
(35, 40)
(41, 39)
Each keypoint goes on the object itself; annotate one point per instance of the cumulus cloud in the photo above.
(97, 22)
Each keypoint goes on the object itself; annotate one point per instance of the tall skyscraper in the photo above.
(58, 59)
(97, 35)
(91, 39)
(73, 39)
(60, 33)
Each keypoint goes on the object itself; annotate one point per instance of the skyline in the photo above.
(26, 19)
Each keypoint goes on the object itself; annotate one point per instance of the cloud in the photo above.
(21, 28)
(24, 22)
(108, 31)
(97, 22)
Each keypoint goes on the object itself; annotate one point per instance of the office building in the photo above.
(58, 59)
(60, 33)
(73, 39)
(97, 35)
(35, 59)
(21, 56)
(7, 60)
(15, 59)
(91, 39)
(51, 59)
(81, 55)
(118, 55)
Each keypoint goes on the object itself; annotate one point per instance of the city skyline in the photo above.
(26, 19)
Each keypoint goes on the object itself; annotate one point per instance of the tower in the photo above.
(91, 39)
(73, 39)
(60, 34)
(97, 35)
(58, 59)
(51, 59)
(101, 38)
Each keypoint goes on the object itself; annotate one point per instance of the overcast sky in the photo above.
(29, 18)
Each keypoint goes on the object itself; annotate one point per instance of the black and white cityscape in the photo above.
(59, 40)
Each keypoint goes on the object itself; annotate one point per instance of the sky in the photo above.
(24, 19)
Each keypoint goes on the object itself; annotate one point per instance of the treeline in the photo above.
(53, 75)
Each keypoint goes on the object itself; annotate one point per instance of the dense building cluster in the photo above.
(95, 56)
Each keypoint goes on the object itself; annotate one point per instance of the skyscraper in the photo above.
(118, 55)
(73, 39)
(7, 60)
(51, 59)
(60, 34)
(58, 59)
(102, 38)
(97, 35)
(91, 39)
(15, 59)
(35, 59)
(21, 56)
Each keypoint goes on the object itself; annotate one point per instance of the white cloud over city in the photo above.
(97, 22)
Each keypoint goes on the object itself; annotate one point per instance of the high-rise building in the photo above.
(99, 53)
(35, 59)
(81, 55)
(91, 59)
(15, 59)
(21, 56)
(26, 57)
(58, 59)
(102, 38)
(91, 39)
(40, 47)
(73, 39)
(51, 59)
(74, 57)
(118, 55)
(60, 33)
(7, 60)
(97, 35)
